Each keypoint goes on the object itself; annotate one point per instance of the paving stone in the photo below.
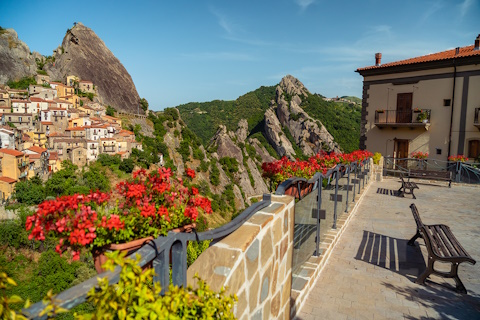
(377, 278)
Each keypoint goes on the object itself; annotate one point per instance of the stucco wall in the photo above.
(254, 262)
(382, 93)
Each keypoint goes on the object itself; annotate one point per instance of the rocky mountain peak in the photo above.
(293, 86)
(83, 54)
(16, 60)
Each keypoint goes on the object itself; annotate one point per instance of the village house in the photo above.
(46, 93)
(19, 106)
(97, 131)
(64, 146)
(39, 137)
(429, 104)
(17, 93)
(19, 168)
(72, 98)
(35, 105)
(42, 79)
(17, 119)
(92, 150)
(71, 79)
(108, 146)
(76, 132)
(78, 156)
(7, 137)
(81, 120)
(63, 104)
(5, 102)
(86, 86)
(86, 109)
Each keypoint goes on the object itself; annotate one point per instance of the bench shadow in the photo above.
(446, 303)
(388, 192)
(392, 254)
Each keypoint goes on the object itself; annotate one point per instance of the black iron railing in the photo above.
(157, 251)
(323, 197)
(415, 116)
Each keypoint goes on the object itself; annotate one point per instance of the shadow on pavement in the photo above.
(392, 254)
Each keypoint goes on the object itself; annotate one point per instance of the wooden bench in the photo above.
(441, 246)
(406, 185)
(432, 175)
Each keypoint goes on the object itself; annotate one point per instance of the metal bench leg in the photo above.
(411, 191)
(459, 285)
(411, 242)
(401, 193)
(421, 278)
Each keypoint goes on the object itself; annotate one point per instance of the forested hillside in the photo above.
(204, 118)
(341, 119)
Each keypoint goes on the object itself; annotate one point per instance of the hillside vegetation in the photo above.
(204, 118)
(342, 120)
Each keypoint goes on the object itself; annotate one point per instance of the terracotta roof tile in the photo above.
(7, 180)
(37, 149)
(12, 152)
(444, 55)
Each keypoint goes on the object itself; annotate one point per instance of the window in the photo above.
(20, 119)
(446, 102)
(79, 153)
(473, 149)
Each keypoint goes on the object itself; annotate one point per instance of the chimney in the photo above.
(477, 43)
(457, 50)
(378, 59)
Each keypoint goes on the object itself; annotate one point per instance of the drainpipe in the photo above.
(453, 103)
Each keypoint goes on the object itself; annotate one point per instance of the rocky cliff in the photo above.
(286, 117)
(84, 54)
(16, 60)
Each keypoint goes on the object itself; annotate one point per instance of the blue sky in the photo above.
(183, 51)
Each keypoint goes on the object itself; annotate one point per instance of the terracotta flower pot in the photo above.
(305, 188)
(99, 257)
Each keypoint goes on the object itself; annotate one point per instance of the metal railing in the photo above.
(416, 116)
(157, 251)
(321, 201)
(462, 172)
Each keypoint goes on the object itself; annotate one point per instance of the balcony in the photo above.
(93, 147)
(476, 122)
(418, 118)
(22, 164)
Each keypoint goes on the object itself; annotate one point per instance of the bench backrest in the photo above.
(401, 178)
(430, 173)
(416, 216)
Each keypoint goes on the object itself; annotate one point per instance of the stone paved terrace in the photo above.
(371, 272)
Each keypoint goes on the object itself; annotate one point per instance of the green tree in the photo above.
(127, 165)
(144, 104)
(110, 111)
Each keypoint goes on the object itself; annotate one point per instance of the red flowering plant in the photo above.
(148, 205)
(458, 158)
(419, 155)
(280, 170)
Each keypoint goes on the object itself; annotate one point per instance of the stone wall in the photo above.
(254, 262)
(377, 170)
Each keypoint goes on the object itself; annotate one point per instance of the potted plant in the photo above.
(422, 117)
(419, 155)
(458, 158)
(380, 111)
(145, 207)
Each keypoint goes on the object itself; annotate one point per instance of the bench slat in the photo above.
(458, 247)
(437, 244)
(452, 252)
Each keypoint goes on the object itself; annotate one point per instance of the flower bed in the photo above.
(458, 158)
(419, 155)
(280, 170)
(147, 206)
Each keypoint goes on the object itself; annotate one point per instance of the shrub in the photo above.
(376, 157)
(229, 165)
(140, 299)
(214, 174)
(127, 165)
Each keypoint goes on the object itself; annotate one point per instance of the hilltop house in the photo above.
(429, 103)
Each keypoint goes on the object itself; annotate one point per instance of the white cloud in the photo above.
(304, 4)
(466, 4)
(223, 21)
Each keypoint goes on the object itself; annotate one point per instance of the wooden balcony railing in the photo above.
(410, 118)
